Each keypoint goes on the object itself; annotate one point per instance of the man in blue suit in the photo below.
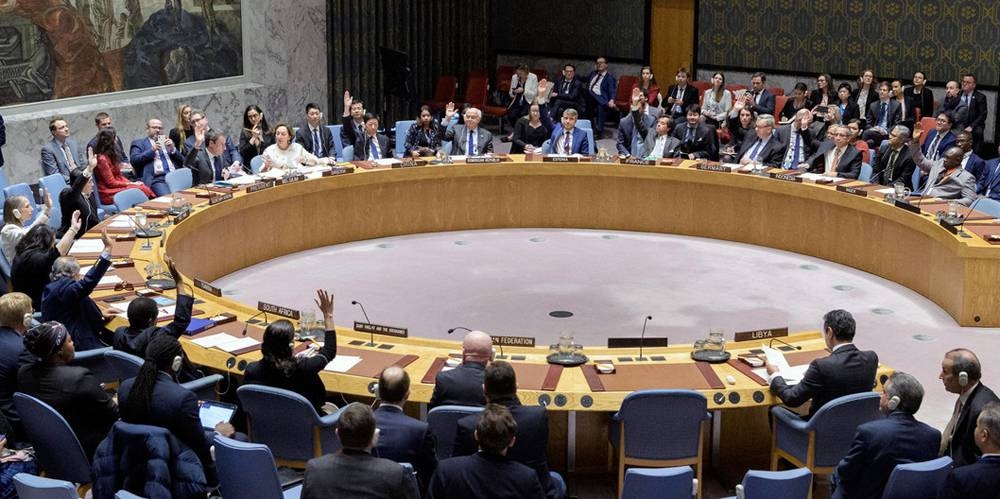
(882, 444)
(970, 160)
(980, 480)
(989, 184)
(61, 154)
(601, 88)
(759, 99)
(67, 299)
(629, 140)
(154, 156)
(941, 138)
(566, 138)
(401, 438)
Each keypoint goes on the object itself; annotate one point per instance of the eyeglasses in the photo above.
(124, 286)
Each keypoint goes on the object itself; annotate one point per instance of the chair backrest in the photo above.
(623, 94)
(540, 73)
(733, 87)
(662, 424)
(927, 123)
(702, 86)
(338, 143)
(4, 181)
(97, 363)
(54, 185)
(23, 189)
(866, 173)
(179, 179)
(989, 206)
(256, 163)
(129, 198)
(504, 75)
(591, 147)
(444, 89)
(779, 105)
(642, 483)
(789, 484)
(476, 89)
(124, 365)
(836, 422)
(918, 480)
(776, 90)
(915, 181)
(442, 422)
(35, 487)
(284, 421)
(401, 128)
(584, 125)
(57, 449)
(109, 209)
(246, 470)
(124, 494)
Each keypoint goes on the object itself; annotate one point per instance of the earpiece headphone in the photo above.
(175, 366)
(963, 378)
(893, 403)
(27, 320)
(17, 213)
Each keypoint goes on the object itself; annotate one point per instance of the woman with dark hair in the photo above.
(648, 86)
(281, 369)
(17, 210)
(78, 198)
(67, 299)
(256, 134)
(530, 132)
(847, 106)
(717, 101)
(798, 101)
(72, 391)
(110, 180)
(183, 128)
(823, 95)
(285, 154)
(741, 124)
(866, 93)
(36, 252)
(423, 137)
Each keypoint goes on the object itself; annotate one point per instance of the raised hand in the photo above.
(324, 300)
(348, 100)
(106, 239)
(636, 96)
(91, 159)
(75, 222)
(449, 111)
(543, 86)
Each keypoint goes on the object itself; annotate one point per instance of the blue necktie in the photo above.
(690, 134)
(753, 153)
(795, 150)
(882, 115)
(218, 167)
(470, 148)
(165, 161)
(374, 148)
(316, 144)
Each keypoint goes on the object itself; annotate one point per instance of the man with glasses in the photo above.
(836, 157)
(469, 139)
(893, 161)
(766, 148)
(941, 138)
(883, 114)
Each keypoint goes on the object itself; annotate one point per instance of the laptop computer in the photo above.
(212, 412)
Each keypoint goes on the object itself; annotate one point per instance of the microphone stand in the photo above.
(371, 334)
(252, 317)
(770, 343)
(642, 337)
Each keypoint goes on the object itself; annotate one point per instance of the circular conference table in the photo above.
(957, 272)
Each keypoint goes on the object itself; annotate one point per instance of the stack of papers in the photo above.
(122, 222)
(819, 176)
(83, 246)
(342, 363)
(225, 342)
(791, 374)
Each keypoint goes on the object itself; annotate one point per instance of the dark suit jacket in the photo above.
(962, 447)
(923, 101)
(845, 371)
(483, 476)
(141, 155)
(977, 111)
(71, 200)
(647, 139)
(75, 393)
(608, 87)
(771, 154)
(902, 170)
(948, 140)
(359, 141)
(462, 385)
(980, 480)
(459, 134)
(573, 97)
(877, 448)
(976, 166)
(806, 142)
(406, 440)
(531, 444)
(766, 103)
(850, 161)
(990, 180)
(580, 144)
(3, 138)
(958, 109)
(231, 155)
(892, 113)
(908, 115)
(690, 96)
(350, 473)
(627, 138)
(68, 301)
(202, 170)
(12, 357)
(850, 111)
(705, 144)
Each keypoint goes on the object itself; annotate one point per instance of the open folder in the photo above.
(791, 374)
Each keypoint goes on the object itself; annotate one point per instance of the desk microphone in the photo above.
(642, 337)
(452, 330)
(961, 225)
(252, 317)
(770, 343)
(371, 334)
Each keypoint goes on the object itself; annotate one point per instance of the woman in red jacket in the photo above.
(110, 180)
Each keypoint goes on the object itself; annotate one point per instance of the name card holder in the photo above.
(270, 308)
(479, 160)
(514, 341)
(338, 170)
(906, 206)
(409, 163)
(214, 200)
(760, 334)
(785, 177)
(638, 161)
(180, 218)
(714, 167)
(259, 186)
(853, 190)
(206, 287)
(366, 327)
(560, 159)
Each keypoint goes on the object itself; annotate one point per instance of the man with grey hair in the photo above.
(797, 138)
(836, 157)
(766, 149)
(893, 161)
(881, 444)
(469, 139)
(961, 373)
(980, 480)
(463, 385)
(67, 299)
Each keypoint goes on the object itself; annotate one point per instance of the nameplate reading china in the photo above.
(906, 206)
(409, 163)
(514, 341)
(365, 327)
(851, 190)
(259, 186)
(180, 218)
(760, 334)
(714, 167)
(786, 177)
(478, 160)
(638, 161)
(560, 159)
(271, 308)
(338, 170)
(206, 287)
(214, 200)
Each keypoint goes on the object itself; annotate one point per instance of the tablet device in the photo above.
(212, 412)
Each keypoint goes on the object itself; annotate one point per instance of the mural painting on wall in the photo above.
(54, 49)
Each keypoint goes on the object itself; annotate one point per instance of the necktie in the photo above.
(950, 429)
(882, 113)
(565, 86)
(835, 162)
(796, 149)
(69, 157)
(568, 143)
(597, 82)
(316, 146)
(690, 135)
(933, 150)
(756, 148)
(217, 163)
(470, 146)
(165, 161)
(892, 165)
(373, 146)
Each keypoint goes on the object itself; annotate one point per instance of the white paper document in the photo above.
(342, 363)
(237, 344)
(121, 222)
(109, 280)
(791, 374)
(87, 246)
(213, 340)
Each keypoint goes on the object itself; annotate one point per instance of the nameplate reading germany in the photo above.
(714, 167)
(514, 341)
(364, 327)
(214, 200)
(271, 308)
(851, 190)
(208, 288)
(760, 334)
(786, 177)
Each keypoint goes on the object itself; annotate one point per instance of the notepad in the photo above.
(237, 344)
(87, 246)
(213, 340)
(108, 280)
(121, 222)
(342, 363)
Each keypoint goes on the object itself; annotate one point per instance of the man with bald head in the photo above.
(960, 374)
(980, 480)
(463, 385)
(945, 177)
(402, 439)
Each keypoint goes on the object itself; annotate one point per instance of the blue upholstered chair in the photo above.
(918, 480)
(103, 210)
(54, 185)
(790, 484)
(57, 449)
(866, 172)
(643, 483)
(338, 145)
(247, 470)
(24, 190)
(179, 179)
(915, 180)
(35, 487)
(401, 128)
(256, 164)
(129, 198)
(547, 147)
(97, 363)
(124, 494)
(288, 424)
(125, 365)
(989, 206)
(659, 428)
(442, 421)
(822, 441)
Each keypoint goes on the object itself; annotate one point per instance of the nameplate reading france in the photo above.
(259, 186)
(206, 287)
(214, 200)
(786, 177)
(851, 190)
(906, 206)
(478, 160)
(714, 167)
(365, 327)
(760, 334)
(638, 161)
(560, 159)
(270, 308)
(514, 341)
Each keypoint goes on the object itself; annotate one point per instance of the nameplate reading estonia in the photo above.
(638, 161)
(851, 190)
(906, 206)
(206, 287)
(714, 167)
(259, 186)
(271, 308)
(760, 334)
(786, 177)
(514, 341)
(214, 200)
(365, 327)
(560, 159)
(477, 160)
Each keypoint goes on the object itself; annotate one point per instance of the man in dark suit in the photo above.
(200, 123)
(67, 299)
(975, 122)
(401, 438)
(680, 96)
(921, 96)
(371, 145)
(489, 473)
(845, 371)
(893, 162)
(566, 137)
(759, 99)
(316, 138)
(766, 148)
(961, 373)
(353, 471)
(469, 139)
(980, 480)
(940, 138)
(657, 142)
(567, 92)
(601, 88)
(953, 104)
(629, 142)
(970, 160)
(989, 184)
(797, 138)
(881, 444)
(61, 155)
(698, 141)
(3, 138)
(907, 107)
(837, 157)
(207, 158)
(355, 109)
(500, 386)
(883, 114)
(463, 385)
(154, 156)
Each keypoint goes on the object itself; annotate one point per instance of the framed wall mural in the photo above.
(55, 49)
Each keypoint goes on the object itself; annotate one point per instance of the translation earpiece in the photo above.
(176, 364)
(963, 378)
(27, 320)
(17, 213)
(893, 403)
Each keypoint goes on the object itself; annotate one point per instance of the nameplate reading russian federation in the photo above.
(259, 186)
(760, 334)
(206, 287)
(271, 308)
(906, 206)
(478, 160)
(560, 159)
(514, 341)
(365, 327)
(714, 167)
(786, 177)
(180, 218)
(638, 161)
(214, 200)
(338, 170)
(851, 190)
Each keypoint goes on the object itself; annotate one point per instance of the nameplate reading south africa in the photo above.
(271, 308)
